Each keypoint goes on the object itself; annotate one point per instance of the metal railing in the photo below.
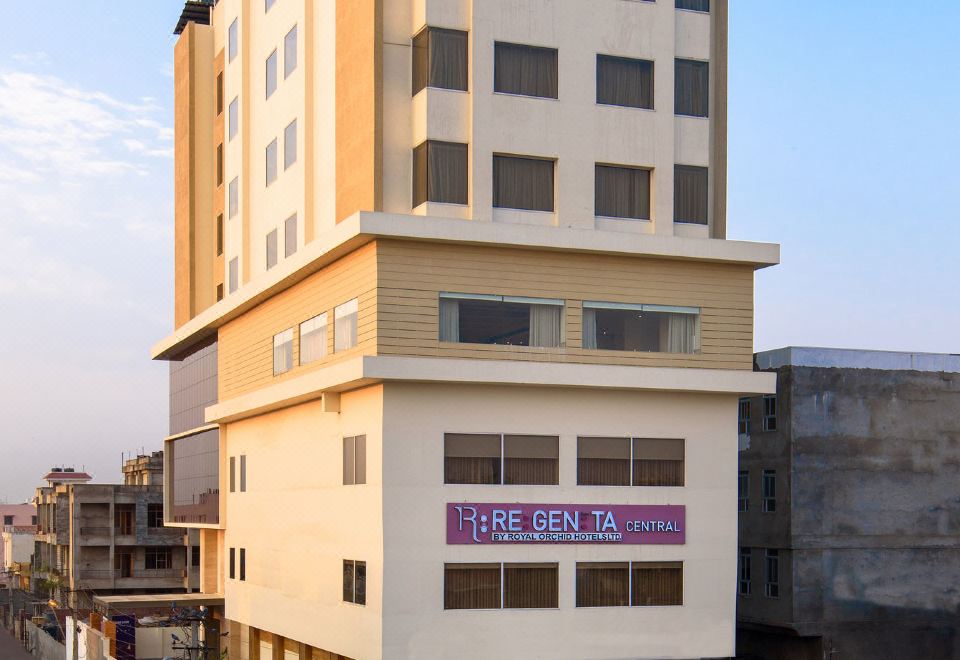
(137, 573)
(92, 530)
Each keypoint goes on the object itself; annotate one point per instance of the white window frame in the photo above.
(314, 324)
(281, 339)
(340, 312)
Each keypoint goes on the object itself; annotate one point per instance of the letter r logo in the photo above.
(470, 518)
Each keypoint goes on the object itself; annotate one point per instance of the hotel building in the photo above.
(436, 256)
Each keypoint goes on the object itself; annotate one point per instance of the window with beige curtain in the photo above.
(622, 192)
(471, 586)
(656, 583)
(603, 461)
(313, 339)
(530, 586)
(283, 352)
(345, 325)
(504, 320)
(531, 459)
(640, 327)
(658, 462)
(691, 92)
(525, 70)
(603, 584)
(523, 183)
(624, 81)
(440, 59)
(471, 458)
(690, 194)
(440, 173)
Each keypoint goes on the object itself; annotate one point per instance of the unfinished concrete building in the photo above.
(849, 498)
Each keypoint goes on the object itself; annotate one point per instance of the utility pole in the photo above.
(195, 647)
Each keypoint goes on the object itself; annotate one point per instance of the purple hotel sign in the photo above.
(469, 523)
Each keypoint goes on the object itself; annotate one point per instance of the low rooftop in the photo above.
(854, 358)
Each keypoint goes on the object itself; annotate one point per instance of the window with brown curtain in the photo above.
(622, 192)
(691, 92)
(440, 173)
(523, 183)
(603, 584)
(658, 462)
(525, 70)
(531, 459)
(530, 585)
(471, 586)
(603, 461)
(471, 458)
(440, 59)
(690, 194)
(693, 5)
(624, 81)
(656, 583)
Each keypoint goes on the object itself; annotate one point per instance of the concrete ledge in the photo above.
(368, 370)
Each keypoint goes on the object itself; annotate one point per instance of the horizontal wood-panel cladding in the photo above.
(411, 276)
(246, 344)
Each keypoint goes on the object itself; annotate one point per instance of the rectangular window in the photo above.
(156, 559)
(622, 192)
(267, 4)
(219, 94)
(233, 195)
(690, 194)
(233, 37)
(743, 491)
(530, 586)
(290, 144)
(656, 584)
(691, 95)
(743, 572)
(233, 474)
(624, 81)
(769, 491)
(233, 563)
(313, 339)
(219, 165)
(523, 183)
(492, 458)
(8, 520)
(771, 565)
(693, 5)
(271, 161)
(234, 275)
(233, 118)
(271, 75)
(643, 328)
(531, 459)
(355, 460)
(123, 518)
(283, 352)
(440, 59)
(770, 412)
(155, 515)
(658, 462)
(290, 235)
(506, 320)
(219, 234)
(220, 292)
(472, 458)
(440, 173)
(195, 555)
(471, 587)
(243, 473)
(603, 584)
(525, 70)
(290, 52)
(345, 325)
(243, 563)
(355, 581)
(604, 461)
(271, 249)
(743, 417)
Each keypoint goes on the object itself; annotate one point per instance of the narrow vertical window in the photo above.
(219, 94)
(743, 572)
(690, 194)
(233, 37)
(233, 474)
(233, 118)
(770, 412)
(233, 197)
(769, 494)
(355, 460)
(525, 70)
(283, 352)
(271, 74)
(523, 183)
(267, 4)
(271, 249)
(743, 417)
(233, 563)
(290, 144)
(354, 581)
(243, 563)
(290, 235)
(691, 88)
(290, 52)
(234, 274)
(771, 586)
(271, 162)
(440, 173)
(219, 234)
(624, 81)
(219, 165)
(743, 491)
(345, 325)
(313, 339)
(440, 59)
(220, 292)
(622, 192)
(243, 473)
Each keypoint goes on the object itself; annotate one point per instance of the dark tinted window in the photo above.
(624, 81)
(693, 5)
(622, 192)
(690, 194)
(691, 88)
(440, 173)
(523, 183)
(525, 70)
(440, 59)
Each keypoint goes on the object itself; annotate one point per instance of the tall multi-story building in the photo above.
(434, 257)
(849, 515)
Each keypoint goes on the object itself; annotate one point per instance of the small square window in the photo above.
(440, 59)
(523, 183)
(624, 81)
(440, 173)
(525, 70)
(622, 192)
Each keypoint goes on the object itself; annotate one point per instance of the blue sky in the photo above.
(843, 137)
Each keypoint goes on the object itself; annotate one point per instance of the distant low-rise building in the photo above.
(850, 507)
(16, 537)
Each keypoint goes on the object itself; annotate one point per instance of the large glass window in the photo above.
(607, 461)
(271, 74)
(643, 328)
(440, 59)
(495, 586)
(440, 173)
(691, 88)
(690, 194)
(622, 192)
(345, 325)
(195, 460)
(525, 70)
(508, 320)
(523, 183)
(283, 352)
(490, 458)
(624, 81)
(313, 339)
(636, 584)
(355, 581)
(290, 52)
